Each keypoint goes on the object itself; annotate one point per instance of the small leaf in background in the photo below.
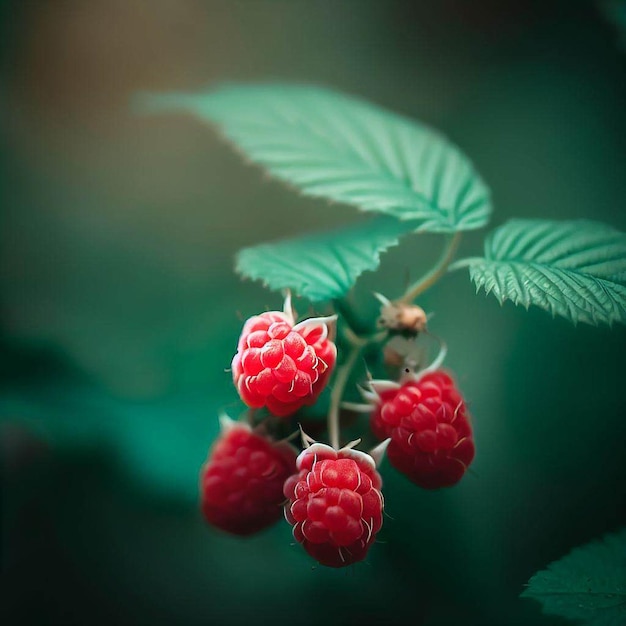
(588, 584)
(325, 265)
(338, 147)
(575, 269)
(158, 445)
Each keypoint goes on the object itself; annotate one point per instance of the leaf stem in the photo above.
(430, 278)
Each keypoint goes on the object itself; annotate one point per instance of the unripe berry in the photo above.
(282, 365)
(335, 504)
(241, 483)
(430, 430)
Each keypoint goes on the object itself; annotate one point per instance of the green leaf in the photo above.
(588, 584)
(324, 265)
(158, 442)
(338, 147)
(575, 269)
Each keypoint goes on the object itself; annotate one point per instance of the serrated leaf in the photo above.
(322, 266)
(338, 147)
(588, 584)
(575, 269)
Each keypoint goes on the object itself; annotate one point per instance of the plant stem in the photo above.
(429, 279)
(357, 343)
(343, 373)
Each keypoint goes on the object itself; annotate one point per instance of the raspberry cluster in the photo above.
(331, 496)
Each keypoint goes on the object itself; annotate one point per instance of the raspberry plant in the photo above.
(408, 179)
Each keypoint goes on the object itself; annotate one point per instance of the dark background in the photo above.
(120, 310)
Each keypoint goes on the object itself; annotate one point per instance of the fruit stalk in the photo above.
(343, 373)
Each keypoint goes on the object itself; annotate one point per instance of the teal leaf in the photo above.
(341, 148)
(322, 266)
(159, 444)
(589, 584)
(575, 269)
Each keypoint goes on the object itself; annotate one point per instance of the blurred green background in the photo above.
(120, 311)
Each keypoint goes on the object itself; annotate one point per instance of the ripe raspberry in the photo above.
(335, 504)
(241, 483)
(431, 435)
(283, 365)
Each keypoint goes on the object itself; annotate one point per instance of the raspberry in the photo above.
(241, 483)
(282, 365)
(335, 504)
(430, 431)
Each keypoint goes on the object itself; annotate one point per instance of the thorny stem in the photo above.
(429, 279)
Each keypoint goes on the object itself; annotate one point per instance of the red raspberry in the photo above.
(241, 483)
(335, 504)
(431, 435)
(283, 365)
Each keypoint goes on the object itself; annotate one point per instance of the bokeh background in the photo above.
(120, 310)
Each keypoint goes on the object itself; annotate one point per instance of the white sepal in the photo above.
(382, 299)
(288, 309)
(380, 386)
(369, 395)
(378, 452)
(314, 322)
(227, 423)
(352, 444)
(307, 441)
(357, 454)
(313, 447)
